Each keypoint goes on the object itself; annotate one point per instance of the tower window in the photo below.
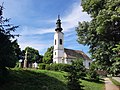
(89, 63)
(55, 53)
(55, 41)
(60, 41)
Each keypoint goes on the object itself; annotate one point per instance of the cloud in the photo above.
(76, 15)
(69, 21)
(18, 10)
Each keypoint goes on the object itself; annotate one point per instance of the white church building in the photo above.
(64, 55)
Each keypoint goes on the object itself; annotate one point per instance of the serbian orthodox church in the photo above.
(64, 55)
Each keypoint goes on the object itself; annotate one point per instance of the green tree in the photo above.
(92, 72)
(102, 33)
(7, 51)
(115, 70)
(75, 72)
(17, 49)
(8, 56)
(32, 54)
(48, 56)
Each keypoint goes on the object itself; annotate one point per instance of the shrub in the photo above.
(63, 67)
(48, 67)
(75, 72)
(92, 72)
(92, 75)
(42, 66)
(58, 67)
(54, 67)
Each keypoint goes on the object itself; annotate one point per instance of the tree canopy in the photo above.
(8, 56)
(48, 56)
(32, 54)
(102, 33)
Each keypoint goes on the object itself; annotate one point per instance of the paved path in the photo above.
(109, 85)
(116, 78)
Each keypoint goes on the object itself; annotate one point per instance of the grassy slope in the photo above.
(42, 80)
(35, 80)
(89, 85)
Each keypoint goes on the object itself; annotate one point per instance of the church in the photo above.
(64, 55)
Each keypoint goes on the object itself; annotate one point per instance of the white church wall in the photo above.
(86, 63)
(58, 52)
(69, 61)
(57, 37)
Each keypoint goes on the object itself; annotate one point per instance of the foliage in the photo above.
(48, 67)
(42, 80)
(58, 67)
(115, 70)
(42, 66)
(8, 56)
(102, 33)
(92, 75)
(76, 71)
(32, 54)
(48, 56)
(17, 49)
(35, 80)
(91, 72)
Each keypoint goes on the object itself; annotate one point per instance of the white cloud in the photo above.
(76, 15)
(70, 21)
(32, 30)
(15, 9)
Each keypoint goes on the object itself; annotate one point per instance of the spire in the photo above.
(58, 24)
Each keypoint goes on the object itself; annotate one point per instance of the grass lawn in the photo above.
(35, 80)
(89, 85)
(42, 80)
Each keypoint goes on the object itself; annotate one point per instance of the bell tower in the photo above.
(58, 52)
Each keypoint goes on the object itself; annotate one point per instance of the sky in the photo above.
(37, 21)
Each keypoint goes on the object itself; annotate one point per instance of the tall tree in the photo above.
(17, 49)
(32, 54)
(7, 51)
(48, 56)
(102, 33)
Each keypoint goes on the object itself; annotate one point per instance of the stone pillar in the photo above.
(20, 63)
(25, 61)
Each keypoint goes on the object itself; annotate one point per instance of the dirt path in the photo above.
(109, 85)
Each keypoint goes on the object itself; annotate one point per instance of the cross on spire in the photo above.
(58, 16)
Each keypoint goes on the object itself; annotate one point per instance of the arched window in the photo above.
(60, 41)
(55, 41)
(89, 64)
(55, 53)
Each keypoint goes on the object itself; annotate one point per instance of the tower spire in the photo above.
(58, 16)
(58, 24)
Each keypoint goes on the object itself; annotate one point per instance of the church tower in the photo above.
(58, 52)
